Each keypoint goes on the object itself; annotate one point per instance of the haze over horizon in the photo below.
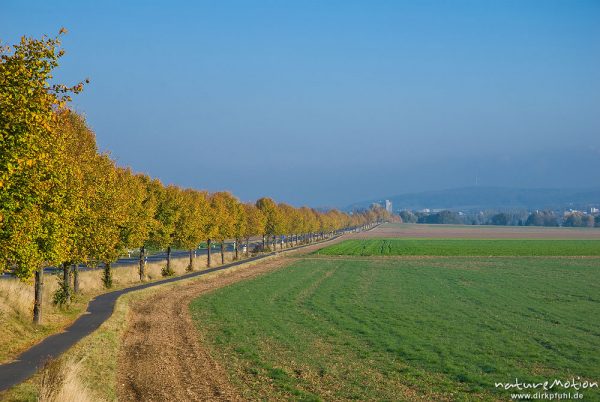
(330, 104)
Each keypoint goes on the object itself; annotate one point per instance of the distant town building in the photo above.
(388, 206)
(594, 210)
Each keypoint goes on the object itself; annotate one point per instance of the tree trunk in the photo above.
(222, 252)
(191, 266)
(75, 279)
(37, 303)
(107, 278)
(237, 248)
(208, 253)
(67, 282)
(169, 260)
(142, 263)
(247, 246)
(263, 241)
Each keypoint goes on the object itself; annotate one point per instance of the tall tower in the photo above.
(388, 206)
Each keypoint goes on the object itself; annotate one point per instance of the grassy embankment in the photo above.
(443, 328)
(17, 332)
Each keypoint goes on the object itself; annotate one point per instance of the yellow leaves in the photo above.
(255, 221)
(62, 199)
(32, 166)
(225, 211)
(22, 162)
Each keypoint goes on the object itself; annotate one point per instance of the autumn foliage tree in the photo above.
(272, 228)
(146, 221)
(80, 149)
(109, 210)
(190, 228)
(255, 223)
(226, 210)
(168, 210)
(239, 227)
(33, 171)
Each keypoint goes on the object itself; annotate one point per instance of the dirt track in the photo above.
(162, 358)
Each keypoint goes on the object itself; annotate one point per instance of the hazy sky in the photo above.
(330, 102)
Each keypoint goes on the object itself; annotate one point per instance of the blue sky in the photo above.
(330, 102)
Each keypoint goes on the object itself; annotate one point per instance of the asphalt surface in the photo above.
(99, 310)
(128, 261)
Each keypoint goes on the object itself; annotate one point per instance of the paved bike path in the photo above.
(99, 310)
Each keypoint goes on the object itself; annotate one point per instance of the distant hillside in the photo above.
(480, 198)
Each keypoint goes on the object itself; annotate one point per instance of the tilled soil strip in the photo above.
(162, 357)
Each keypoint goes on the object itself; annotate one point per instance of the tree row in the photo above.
(64, 203)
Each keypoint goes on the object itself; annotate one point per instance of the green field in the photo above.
(394, 329)
(465, 247)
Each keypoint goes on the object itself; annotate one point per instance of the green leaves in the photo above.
(33, 172)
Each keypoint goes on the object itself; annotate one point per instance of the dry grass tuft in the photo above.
(16, 297)
(60, 381)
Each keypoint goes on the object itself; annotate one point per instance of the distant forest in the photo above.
(522, 218)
